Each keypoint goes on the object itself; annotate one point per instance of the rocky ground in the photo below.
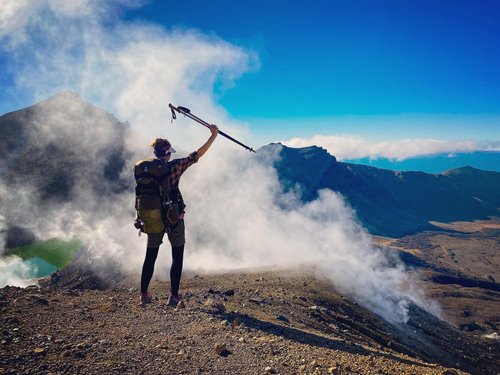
(236, 323)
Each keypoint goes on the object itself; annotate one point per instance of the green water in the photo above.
(48, 256)
(39, 267)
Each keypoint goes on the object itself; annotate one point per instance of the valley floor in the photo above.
(460, 269)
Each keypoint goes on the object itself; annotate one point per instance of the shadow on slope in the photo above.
(309, 312)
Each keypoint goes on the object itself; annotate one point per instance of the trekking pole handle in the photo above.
(186, 112)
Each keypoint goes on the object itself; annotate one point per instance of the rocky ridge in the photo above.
(245, 322)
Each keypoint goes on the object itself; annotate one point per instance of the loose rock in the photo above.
(236, 322)
(221, 349)
(270, 370)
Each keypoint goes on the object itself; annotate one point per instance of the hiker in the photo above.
(176, 232)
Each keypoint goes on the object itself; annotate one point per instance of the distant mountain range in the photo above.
(392, 203)
(437, 163)
(64, 143)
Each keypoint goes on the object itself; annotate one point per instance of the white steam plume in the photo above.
(13, 271)
(237, 215)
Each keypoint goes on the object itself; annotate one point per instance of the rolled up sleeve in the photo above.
(179, 166)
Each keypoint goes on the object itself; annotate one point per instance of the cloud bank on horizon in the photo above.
(241, 217)
(356, 147)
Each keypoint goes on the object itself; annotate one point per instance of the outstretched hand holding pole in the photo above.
(186, 112)
(203, 149)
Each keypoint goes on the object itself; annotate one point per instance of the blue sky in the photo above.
(380, 69)
(328, 58)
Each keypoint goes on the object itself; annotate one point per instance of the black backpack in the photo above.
(153, 206)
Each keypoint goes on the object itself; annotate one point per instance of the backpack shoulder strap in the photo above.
(150, 167)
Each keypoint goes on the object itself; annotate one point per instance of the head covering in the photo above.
(160, 151)
(162, 147)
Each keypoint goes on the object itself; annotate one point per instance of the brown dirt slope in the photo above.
(460, 268)
(236, 323)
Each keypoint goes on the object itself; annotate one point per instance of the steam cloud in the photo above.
(237, 215)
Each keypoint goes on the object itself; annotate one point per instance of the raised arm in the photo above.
(203, 149)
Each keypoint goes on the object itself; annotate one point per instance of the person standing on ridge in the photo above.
(174, 228)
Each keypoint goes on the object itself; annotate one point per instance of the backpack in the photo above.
(153, 207)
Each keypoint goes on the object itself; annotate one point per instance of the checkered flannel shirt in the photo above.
(179, 166)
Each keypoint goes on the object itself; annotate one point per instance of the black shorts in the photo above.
(176, 236)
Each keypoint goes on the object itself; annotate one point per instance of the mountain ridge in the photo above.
(391, 203)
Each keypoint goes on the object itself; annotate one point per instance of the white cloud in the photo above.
(14, 16)
(356, 146)
(19, 17)
(237, 215)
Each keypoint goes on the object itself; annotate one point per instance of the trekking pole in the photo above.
(186, 112)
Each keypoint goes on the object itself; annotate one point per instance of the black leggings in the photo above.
(175, 270)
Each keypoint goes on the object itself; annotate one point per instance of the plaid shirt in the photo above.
(178, 166)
